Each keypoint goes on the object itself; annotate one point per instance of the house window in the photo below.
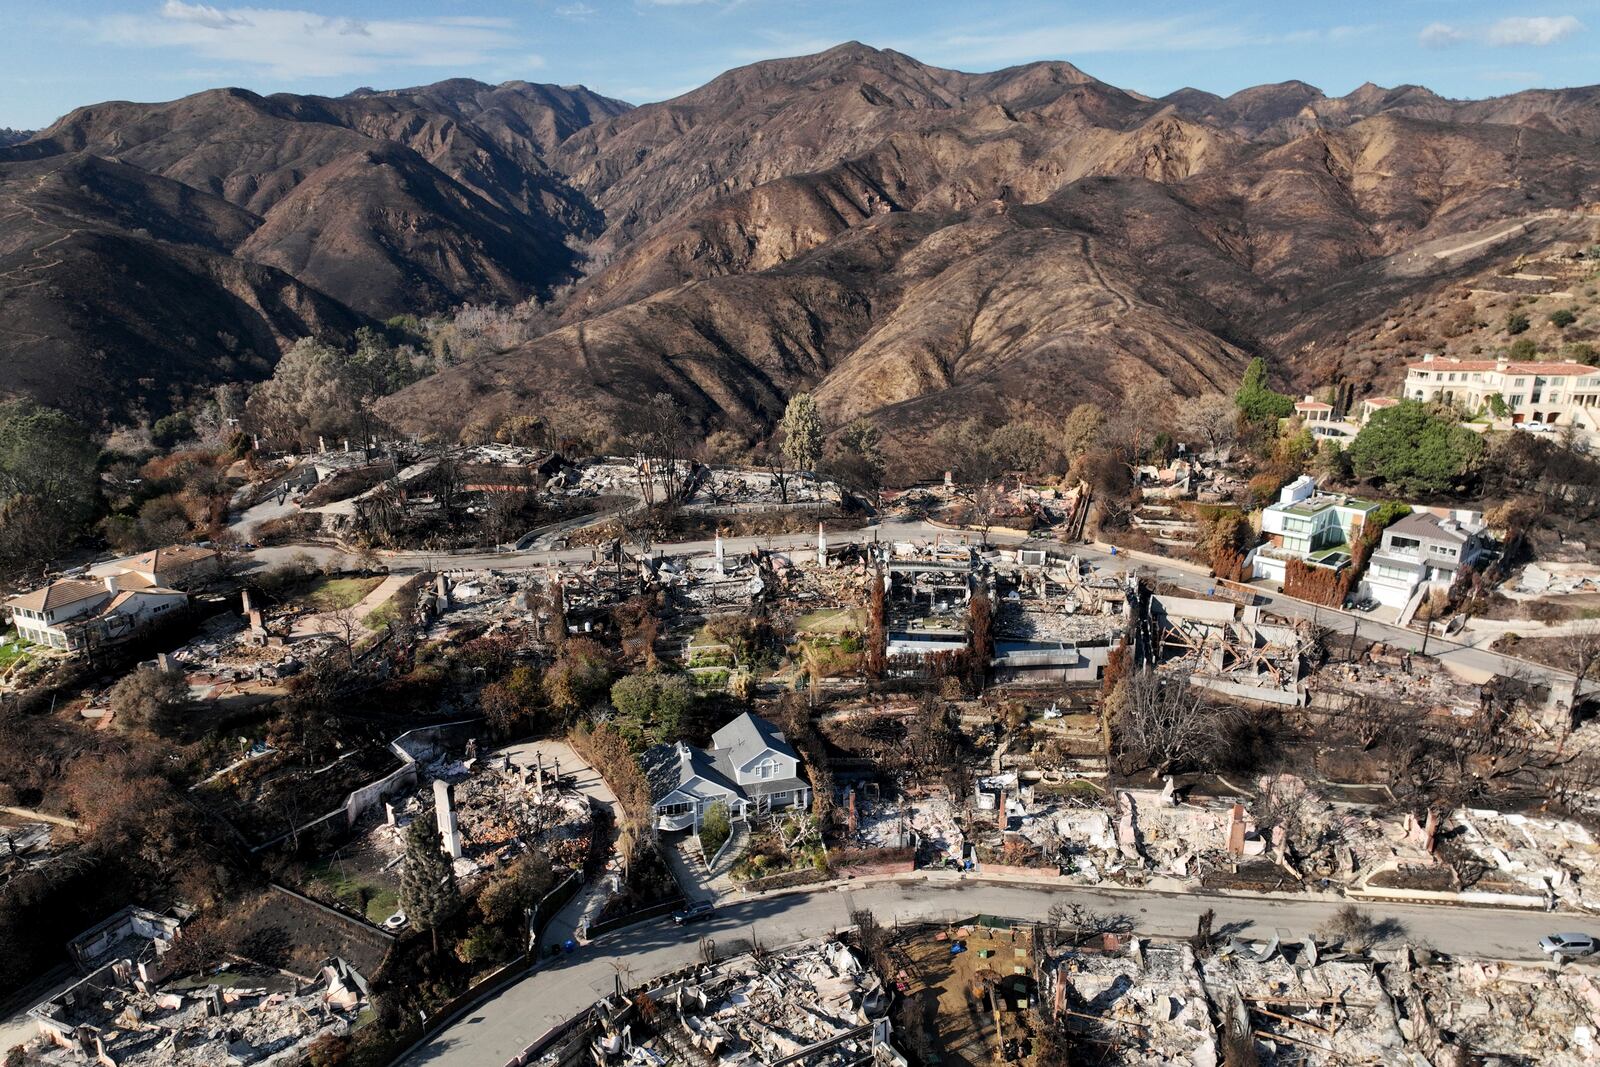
(767, 768)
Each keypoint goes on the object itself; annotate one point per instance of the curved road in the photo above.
(501, 1027)
(508, 1022)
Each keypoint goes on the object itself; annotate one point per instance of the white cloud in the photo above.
(200, 15)
(1536, 31)
(290, 44)
(576, 11)
(1539, 31)
(1440, 35)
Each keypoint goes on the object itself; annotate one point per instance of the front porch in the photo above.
(678, 812)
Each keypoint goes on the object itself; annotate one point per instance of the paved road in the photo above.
(1475, 661)
(507, 1023)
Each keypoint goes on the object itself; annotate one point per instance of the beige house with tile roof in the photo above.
(75, 613)
(1550, 393)
(172, 567)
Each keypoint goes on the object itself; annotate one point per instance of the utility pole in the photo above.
(1354, 630)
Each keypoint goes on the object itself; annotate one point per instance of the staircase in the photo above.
(735, 847)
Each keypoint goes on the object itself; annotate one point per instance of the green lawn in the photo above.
(12, 648)
(332, 594)
(832, 621)
(352, 887)
(379, 618)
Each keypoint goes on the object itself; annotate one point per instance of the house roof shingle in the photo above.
(57, 595)
(747, 737)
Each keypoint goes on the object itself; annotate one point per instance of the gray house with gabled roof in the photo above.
(750, 767)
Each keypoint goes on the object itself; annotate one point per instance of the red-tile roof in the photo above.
(1548, 370)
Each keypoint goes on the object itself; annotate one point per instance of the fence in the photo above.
(654, 911)
(358, 801)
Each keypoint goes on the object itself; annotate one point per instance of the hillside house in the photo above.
(172, 567)
(75, 614)
(1316, 528)
(1547, 393)
(750, 767)
(1424, 548)
(1323, 421)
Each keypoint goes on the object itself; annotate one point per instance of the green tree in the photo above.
(1516, 322)
(579, 677)
(1581, 352)
(1522, 350)
(1561, 318)
(715, 828)
(48, 484)
(858, 462)
(1019, 445)
(1497, 405)
(802, 432)
(1414, 449)
(657, 702)
(1256, 400)
(170, 429)
(429, 895)
(1331, 463)
(313, 391)
(1082, 430)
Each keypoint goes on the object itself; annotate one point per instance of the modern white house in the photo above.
(1548, 393)
(750, 767)
(1425, 547)
(1313, 527)
(74, 614)
(1320, 418)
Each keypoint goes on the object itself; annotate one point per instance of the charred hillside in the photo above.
(906, 241)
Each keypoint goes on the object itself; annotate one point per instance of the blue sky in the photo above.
(59, 54)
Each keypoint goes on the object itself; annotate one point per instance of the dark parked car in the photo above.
(700, 909)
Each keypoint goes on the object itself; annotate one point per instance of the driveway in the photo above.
(572, 920)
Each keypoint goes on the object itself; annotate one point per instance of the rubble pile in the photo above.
(1155, 1003)
(262, 1017)
(1548, 578)
(809, 1006)
(1238, 651)
(1548, 856)
(499, 813)
(1149, 1005)
(1380, 677)
(1500, 1012)
(932, 821)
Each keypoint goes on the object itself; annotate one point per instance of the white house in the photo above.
(1533, 391)
(750, 767)
(74, 613)
(1424, 547)
(170, 567)
(1322, 421)
(1313, 527)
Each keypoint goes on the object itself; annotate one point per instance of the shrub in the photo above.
(715, 829)
(1516, 322)
(1561, 318)
(1522, 350)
